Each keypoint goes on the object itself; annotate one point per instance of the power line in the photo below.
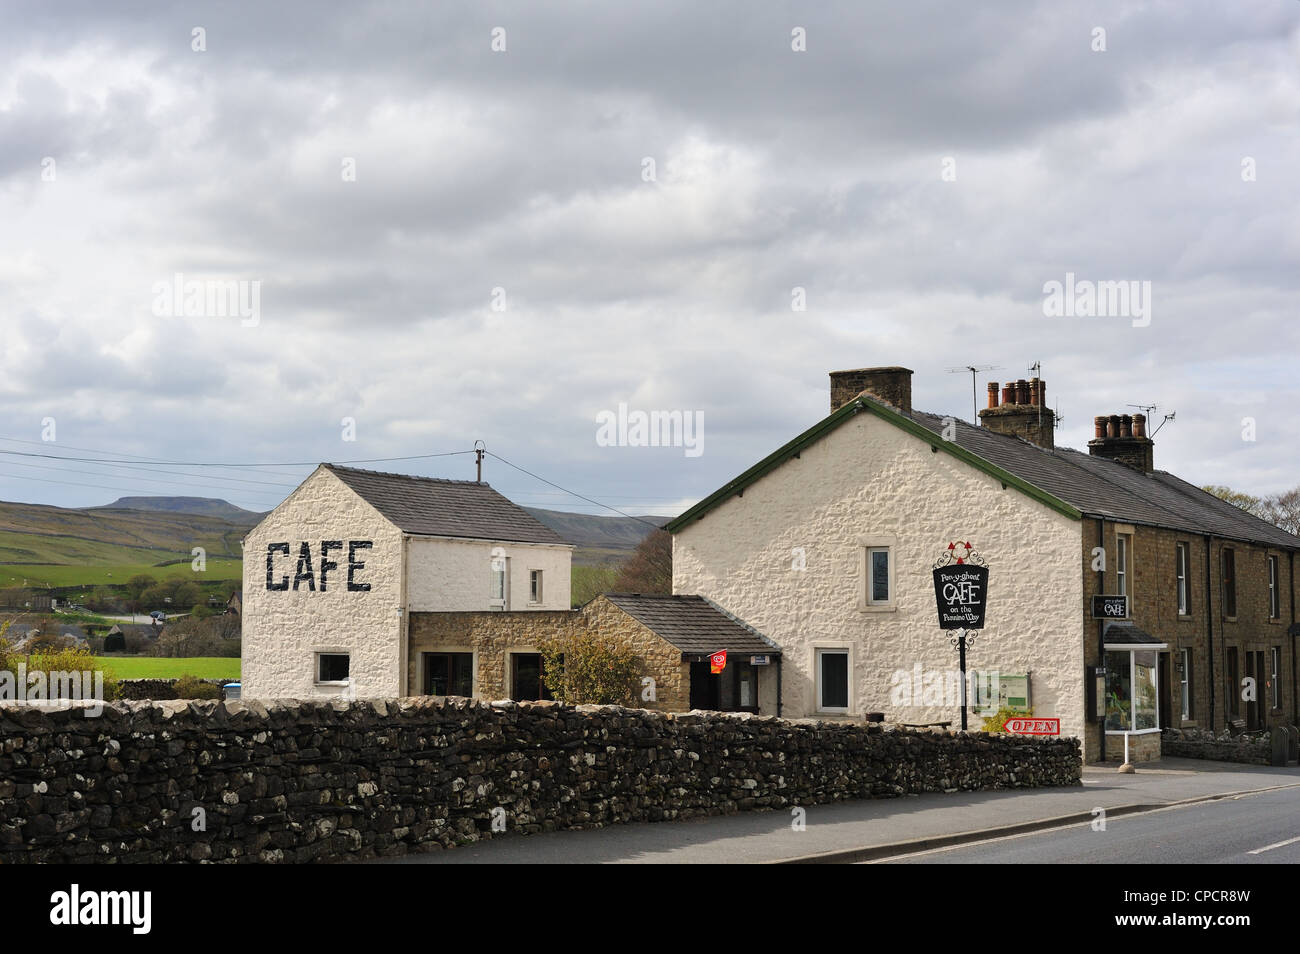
(203, 463)
(574, 493)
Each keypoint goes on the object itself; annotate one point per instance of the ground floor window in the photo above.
(527, 682)
(1132, 687)
(833, 680)
(1185, 677)
(332, 667)
(1277, 677)
(449, 674)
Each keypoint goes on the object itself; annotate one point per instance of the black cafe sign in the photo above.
(961, 589)
(1110, 607)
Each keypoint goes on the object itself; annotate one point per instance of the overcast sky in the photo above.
(644, 184)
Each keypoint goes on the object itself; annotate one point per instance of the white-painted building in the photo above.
(333, 574)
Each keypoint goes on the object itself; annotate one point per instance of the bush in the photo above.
(585, 669)
(191, 687)
(995, 722)
(61, 660)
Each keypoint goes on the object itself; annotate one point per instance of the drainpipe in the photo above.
(1101, 634)
(1295, 687)
(780, 659)
(1209, 624)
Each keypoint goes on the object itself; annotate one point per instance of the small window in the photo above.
(332, 667)
(1122, 567)
(1276, 679)
(1229, 583)
(534, 586)
(878, 575)
(1186, 681)
(528, 678)
(1184, 607)
(833, 680)
(449, 674)
(1274, 598)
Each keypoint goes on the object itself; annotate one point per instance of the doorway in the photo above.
(705, 688)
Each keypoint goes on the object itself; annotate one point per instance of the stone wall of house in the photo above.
(1154, 608)
(493, 636)
(329, 780)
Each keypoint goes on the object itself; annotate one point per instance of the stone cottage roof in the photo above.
(1073, 483)
(445, 508)
(693, 624)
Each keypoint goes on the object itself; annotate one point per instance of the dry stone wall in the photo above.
(329, 780)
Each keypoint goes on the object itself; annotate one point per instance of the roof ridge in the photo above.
(387, 473)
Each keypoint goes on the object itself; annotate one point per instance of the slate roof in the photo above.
(693, 624)
(1071, 482)
(1106, 488)
(445, 508)
(1126, 634)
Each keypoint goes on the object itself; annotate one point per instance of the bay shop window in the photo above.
(1132, 681)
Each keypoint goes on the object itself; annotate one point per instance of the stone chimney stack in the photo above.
(1023, 412)
(891, 386)
(1123, 438)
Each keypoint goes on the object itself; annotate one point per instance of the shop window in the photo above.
(1132, 696)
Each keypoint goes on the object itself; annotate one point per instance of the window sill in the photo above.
(1187, 724)
(1122, 732)
(333, 684)
(878, 607)
(1186, 618)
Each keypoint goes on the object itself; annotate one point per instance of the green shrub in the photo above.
(585, 669)
(995, 722)
(191, 687)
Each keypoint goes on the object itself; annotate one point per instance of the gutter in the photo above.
(1101, 634)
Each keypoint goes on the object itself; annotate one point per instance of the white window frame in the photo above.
(1275, 659)
(1185, 681)
(840, 649)
(535, 586)
(316, 660)
(501, 602)
(1180, 572)
(1274, 596)
(1132, 651)
(866, 546)
(1123, 571)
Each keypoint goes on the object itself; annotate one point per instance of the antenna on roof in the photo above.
(479, 450)
(974, 369)
(1148, 408)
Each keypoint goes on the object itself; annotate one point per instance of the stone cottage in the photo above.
(827, 546)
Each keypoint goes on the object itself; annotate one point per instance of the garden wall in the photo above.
(316, 781)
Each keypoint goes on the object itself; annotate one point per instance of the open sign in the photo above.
(961, 593)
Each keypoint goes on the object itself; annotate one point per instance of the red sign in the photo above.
(718, 661)
(1030, 726)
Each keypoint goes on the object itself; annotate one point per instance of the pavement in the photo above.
(872, 829)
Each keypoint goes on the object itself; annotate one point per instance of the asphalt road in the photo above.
(1247, 829)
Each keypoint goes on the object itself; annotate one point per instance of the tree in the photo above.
(583, 668)
(138, 584)
(1247, 502)
(1283, 510)
(650, 567)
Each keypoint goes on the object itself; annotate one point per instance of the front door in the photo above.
(704, 686)
(1255, 707)
(1166, 713)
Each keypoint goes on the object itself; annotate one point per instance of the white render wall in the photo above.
(447, 575)
(867, 480)
(283, 630)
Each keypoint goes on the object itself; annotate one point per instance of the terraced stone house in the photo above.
(826, 547)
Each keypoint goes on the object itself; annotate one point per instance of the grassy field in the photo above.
(36, 575)
(155, 667)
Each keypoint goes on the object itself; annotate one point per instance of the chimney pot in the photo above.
(1099, 424)
(1112, 426)
(993, 394)
(1139, 425)
(1022, 391)
(1009, 393)
(1125, 426)
(1033, 391)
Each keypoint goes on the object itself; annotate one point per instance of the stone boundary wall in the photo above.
(323, 781)
(1252, 752)
(156, 688)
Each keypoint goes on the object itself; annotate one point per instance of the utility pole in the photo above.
(479, 450)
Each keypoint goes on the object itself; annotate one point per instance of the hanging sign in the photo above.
(1110, 607)
(961, 583)
(718, 661)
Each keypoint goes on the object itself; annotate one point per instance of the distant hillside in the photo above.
(200, 506)
(599, 540)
